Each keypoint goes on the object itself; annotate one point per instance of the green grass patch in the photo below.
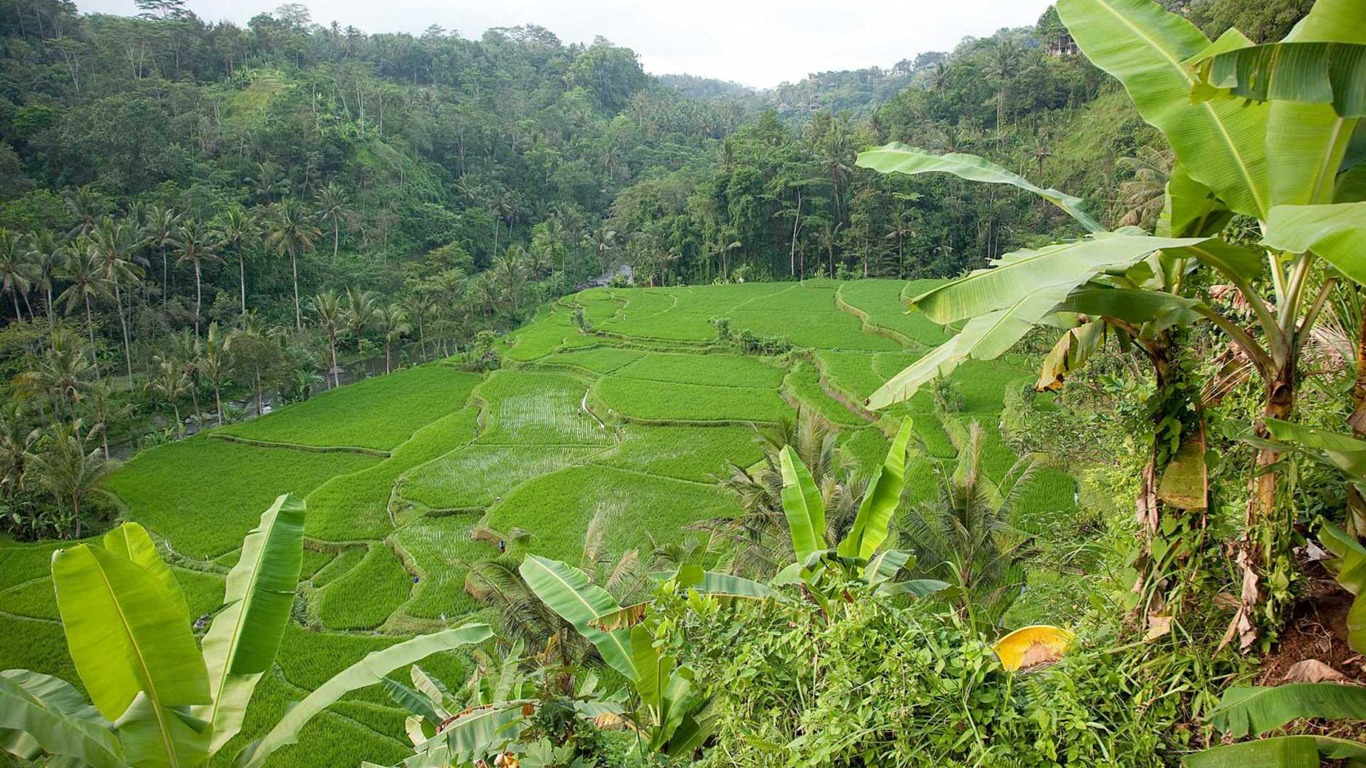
(556, 509)
(527, 408)
(813, 329)
(440, 547)
(368, 593)
(804, 383)
(339, 566)
(355, 506)
(378, 413)
(599, 360)
(475, 476)
(882, 301)
(708, 370)
(204, 495)
(686, 453)
(666, 402)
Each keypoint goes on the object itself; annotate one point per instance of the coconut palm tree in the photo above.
(195, 244)
(289, 233)
(963, 537)
(235, 231)
(360, 310)
(101, 409)
(116, 244)
(46, 255)
(83, 271)
(391, 321)
(68, 471)
(85, 206)
(1144, 195)
(332, 204)
(167, 386)
(158, 231)
(60, 374)
(186, 350)
(17, 273)
(418, 304)
(330, 316)
(213, 366)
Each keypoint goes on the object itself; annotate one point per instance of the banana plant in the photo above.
(857, 555)
(1255, 711)
(493, 711)
(1281, 162)
(157, 700)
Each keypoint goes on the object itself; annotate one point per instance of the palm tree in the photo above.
(102, 410)
(115, 243)
(330, 315)
(60, 374)
(392, 323)
(1144, 195)
(167, 386)
(83, 271)
(213, 366)
(235, 231)
(332, 204)
(195, 243)
(86, 206)
(509, 272)
(159, 231)
(1002, 62)
(46, 255)
(289, 233)
(16, 439)
(963, 537)
(418, 304)
(67, 471)
(17, 274)
(186, 351)
(360, 310)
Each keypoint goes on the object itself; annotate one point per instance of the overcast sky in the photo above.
(756, 42)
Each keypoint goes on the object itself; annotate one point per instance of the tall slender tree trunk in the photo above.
(165, 276)
(90, 328)
(242, 279)
(332, 341)
(17, 314)
(218, 402)
(198, 295)
(336, 237)
(1263, 537)
(298, 313)
(387, 368)
(127, 343)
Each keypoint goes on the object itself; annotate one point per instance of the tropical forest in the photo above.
(488, 400)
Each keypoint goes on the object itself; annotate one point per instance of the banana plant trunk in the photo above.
(1176, 401)
(1356, 503)
(1264, 537)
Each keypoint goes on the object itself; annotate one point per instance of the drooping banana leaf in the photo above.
(1349, 565)
(1021, 273)
(802, 504)
(44, 715)
(1221, 144)
(368, 671)
(1335, 232)
(414, 702)
(1162, 310)
(133, 542)
(913, 587)
(1344, 452)
(1253, 711)
(1282, 752)
(984, 337)
(880, 500)
(1190, 209)
(471, 735)
(568, 592)
(899, 158)
(244, 638)
(125, 632)
(1305, 72)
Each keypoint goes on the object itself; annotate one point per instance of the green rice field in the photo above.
(412, 477)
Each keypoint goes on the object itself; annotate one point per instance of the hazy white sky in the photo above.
(755, 42)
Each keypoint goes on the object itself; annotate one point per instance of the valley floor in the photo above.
(410, 477)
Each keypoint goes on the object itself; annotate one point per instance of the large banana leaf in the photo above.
(899, 158)
(1349, 564)
(1282, 752)
(44, 715)
(368, 671)
(568, 592)
(126, 632)
(242, 641)
(983, 338)
(1335, 232)
(1253, 711)
(1305, 72)
(133, 542)
(471, 735)
(802, 504)
(1190, 209)
(1344, 452)
(162, 737)
(1221, 144)
(1019, 274)
(1070, 353)
(1163, 310)
(881, 499)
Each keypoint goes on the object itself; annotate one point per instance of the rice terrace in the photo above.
(413, 477)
